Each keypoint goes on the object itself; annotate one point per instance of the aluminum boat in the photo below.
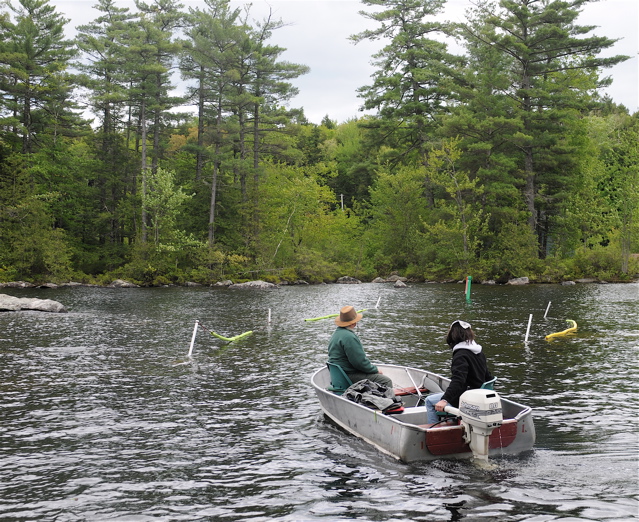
(406, 435)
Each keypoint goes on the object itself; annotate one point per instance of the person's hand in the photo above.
(380, 372)
(440, 405)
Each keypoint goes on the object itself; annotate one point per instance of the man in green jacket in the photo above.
(346, 350)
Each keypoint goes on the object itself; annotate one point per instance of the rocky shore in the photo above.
(396, 280)
(9, 303)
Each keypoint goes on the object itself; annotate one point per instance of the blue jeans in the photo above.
(431, 413)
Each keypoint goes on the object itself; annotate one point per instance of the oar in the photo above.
(419, 393)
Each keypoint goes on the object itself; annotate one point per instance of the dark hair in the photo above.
(458, 334)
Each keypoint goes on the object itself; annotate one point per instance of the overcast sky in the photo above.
(317, 34)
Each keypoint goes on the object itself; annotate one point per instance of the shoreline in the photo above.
(226, 284)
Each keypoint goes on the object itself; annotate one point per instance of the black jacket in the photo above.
(469, 371)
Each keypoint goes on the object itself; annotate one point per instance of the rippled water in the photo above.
(100, 421)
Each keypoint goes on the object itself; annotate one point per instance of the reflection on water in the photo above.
(99, 423)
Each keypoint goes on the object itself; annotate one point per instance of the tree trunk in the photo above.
(216, 166)
(242, 156)
(199, 156)
(529, 190)
(143, 169)
(26, 136)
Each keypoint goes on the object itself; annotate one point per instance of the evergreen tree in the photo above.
(103, 64)
(411, 86)
(149, 58)
(208, 58)
(160, 19)
(553, 67)
(103, 68)
(271, 89)
(34, 58)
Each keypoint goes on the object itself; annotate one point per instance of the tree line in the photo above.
(501, 161)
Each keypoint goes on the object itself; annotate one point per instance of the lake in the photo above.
(104, 417)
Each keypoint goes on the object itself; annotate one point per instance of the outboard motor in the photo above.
(480, 412)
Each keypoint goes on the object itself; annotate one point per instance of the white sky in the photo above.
(317, 34)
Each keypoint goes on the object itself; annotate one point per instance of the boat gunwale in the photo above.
(525, 410)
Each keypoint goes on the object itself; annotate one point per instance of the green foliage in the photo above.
(394, 235)
(162, 201)
(411, 86)
(514, 253)
(297, 217)
(599, 262)
(481, 164)
(34, 248)
(555, 269)
(540, 69)
(459, 232)
(34, 83)
(30, 245)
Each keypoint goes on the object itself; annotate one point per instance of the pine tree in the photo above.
(34, 61)
(553, 67)
(208, 58)
(411, 85)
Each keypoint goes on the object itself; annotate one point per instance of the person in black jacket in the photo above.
(468, 367)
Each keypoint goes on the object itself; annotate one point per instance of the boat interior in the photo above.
(414, 396)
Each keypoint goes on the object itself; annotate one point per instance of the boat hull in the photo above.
(406, 436)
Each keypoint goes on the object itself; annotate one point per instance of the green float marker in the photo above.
(231, 339)
(469, 282)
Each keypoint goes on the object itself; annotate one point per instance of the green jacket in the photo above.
(346, 350)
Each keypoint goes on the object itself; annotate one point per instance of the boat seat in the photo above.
(489, 385)
(339, 380)
(399, 392)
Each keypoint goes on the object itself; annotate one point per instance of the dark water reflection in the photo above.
(100, 421)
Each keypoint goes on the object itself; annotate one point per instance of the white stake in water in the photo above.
(547, 308)
(193, 337)
(528, 330)
(269, 316)
(378, 300)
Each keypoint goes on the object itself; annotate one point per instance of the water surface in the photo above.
(100, 419)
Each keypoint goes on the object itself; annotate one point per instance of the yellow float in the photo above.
(572, 329)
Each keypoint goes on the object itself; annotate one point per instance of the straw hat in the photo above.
(347, 315)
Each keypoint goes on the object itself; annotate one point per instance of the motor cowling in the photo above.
(480, 412)
(481, 409)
